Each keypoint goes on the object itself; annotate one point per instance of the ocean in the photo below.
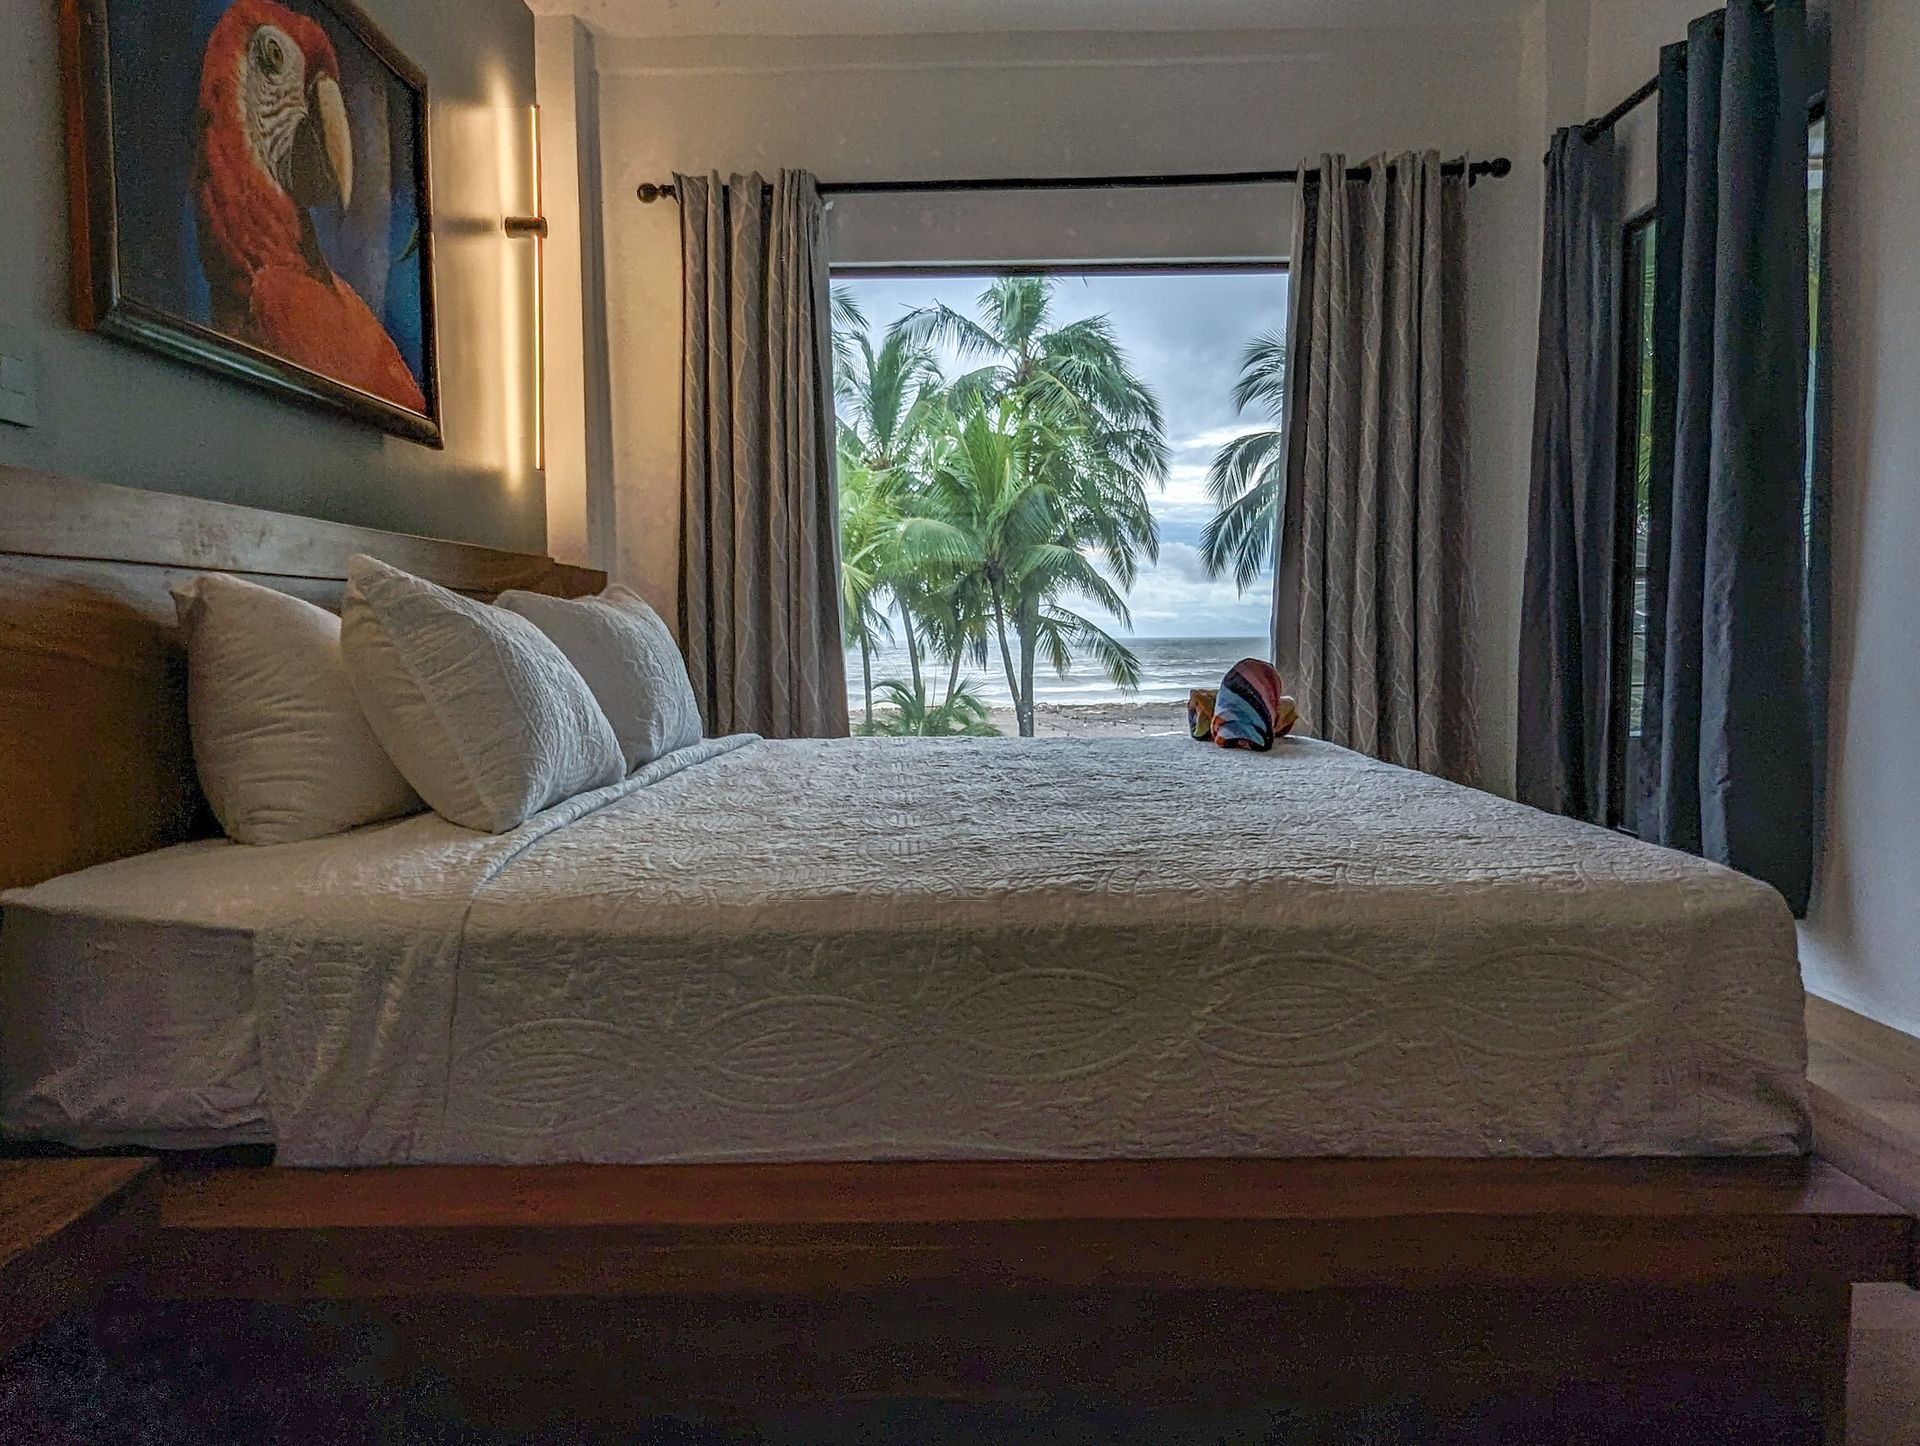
(1169, 669)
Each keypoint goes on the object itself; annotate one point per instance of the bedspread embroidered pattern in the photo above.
(880, 948)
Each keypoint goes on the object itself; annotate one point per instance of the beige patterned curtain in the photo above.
(1370, 607)
(759, 533)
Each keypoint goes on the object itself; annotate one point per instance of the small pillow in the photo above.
(628, 658)
(283, 751)
(485, 716)
(1250, 711)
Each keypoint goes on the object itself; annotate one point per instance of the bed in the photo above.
(919, 949)
(865, 1024)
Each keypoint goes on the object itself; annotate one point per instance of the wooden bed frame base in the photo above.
(1715, 1286)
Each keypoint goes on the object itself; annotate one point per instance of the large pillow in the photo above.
(485, 716)
(628, 658)
(282, 748)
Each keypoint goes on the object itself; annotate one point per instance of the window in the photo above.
(1635, 460)
(1057, 491)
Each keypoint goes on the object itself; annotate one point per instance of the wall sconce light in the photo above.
(534, 228)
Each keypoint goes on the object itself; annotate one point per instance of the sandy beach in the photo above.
(1098, 720)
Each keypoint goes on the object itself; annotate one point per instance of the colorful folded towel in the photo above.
(1251, 711)
(1200, 713)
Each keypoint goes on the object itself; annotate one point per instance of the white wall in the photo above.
(985, 105)
(115, 413)
(580, 523)
(561, 45)
(1861, 947)
(1624, 42)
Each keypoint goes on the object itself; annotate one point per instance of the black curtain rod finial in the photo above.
(649, 192)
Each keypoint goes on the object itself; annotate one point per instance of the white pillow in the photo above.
(485, 717)
(283, 751)
(628, 658)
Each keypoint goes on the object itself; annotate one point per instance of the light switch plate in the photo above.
(19, 390)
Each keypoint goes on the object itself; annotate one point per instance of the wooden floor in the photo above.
(1864, 1083)
(1883, 1376)
(66, 1228)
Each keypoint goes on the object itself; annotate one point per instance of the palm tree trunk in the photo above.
(953, 675)
(866, 676)
(1006, 657)
(913, 647)
(959, 651)
(1027, 620)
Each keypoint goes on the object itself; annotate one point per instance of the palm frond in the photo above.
(1263, 374)
(1115, 657)
(940, 325)
(1239, 538)
(1017, 308)
(910, 715)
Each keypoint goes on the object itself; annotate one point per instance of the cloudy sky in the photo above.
(1185, 336)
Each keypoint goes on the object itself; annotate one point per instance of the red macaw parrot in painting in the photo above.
(274, 143)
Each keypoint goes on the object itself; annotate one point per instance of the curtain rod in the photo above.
(1620, 112)
(1497, 167)
(1612, 118)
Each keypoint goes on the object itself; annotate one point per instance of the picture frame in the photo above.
(250, 193)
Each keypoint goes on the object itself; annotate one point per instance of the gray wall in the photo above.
(1861, 946)
(115, 413)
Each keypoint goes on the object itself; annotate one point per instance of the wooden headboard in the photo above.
(94, 756)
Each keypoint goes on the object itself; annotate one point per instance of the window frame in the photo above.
(1633, 360)
(891, 271)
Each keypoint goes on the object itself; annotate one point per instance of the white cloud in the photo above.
(1214, 438)
(1176, 598)
(1186, 487)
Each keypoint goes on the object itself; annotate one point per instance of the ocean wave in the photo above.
(1169, 669)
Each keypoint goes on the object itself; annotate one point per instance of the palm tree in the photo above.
(963, 713)
(954, 618)
(885, 395)
(1052, 443)
(1078, 367)
(1006, 506)
(869, 533)
(1248, 475)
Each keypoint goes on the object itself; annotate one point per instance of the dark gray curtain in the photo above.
(1567, 623)
(1730, 731)
(759, 534)
(1370, 597)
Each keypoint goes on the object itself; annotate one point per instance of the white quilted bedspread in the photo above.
(902, 948)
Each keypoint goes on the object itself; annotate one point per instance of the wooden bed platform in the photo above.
(1702, 1287)
(1712, 1284)
(1271, 1225)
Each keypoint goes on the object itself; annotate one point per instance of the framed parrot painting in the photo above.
(249, 194)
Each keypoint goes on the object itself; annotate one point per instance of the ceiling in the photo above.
(905, 17)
